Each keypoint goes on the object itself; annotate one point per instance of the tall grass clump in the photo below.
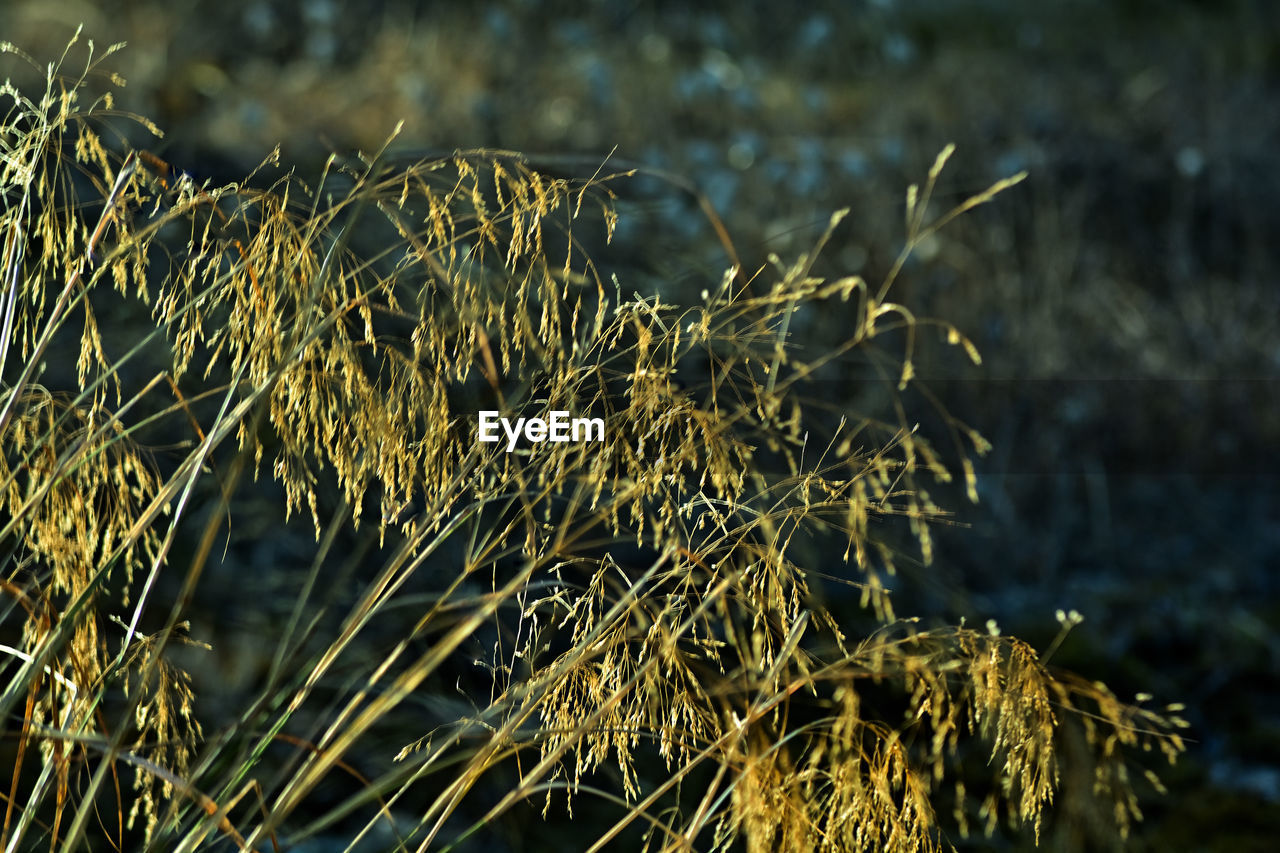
(645, 639)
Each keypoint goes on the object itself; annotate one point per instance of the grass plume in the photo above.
(655, 650)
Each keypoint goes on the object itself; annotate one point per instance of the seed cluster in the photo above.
(648, 596)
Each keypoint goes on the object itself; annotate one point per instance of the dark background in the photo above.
(1124, 297)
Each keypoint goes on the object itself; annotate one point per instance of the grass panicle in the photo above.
(637, 629)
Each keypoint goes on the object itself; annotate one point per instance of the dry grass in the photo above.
(658, 650)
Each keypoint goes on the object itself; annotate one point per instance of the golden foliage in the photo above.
(348, 332)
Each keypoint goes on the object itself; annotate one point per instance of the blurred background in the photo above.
(1124, 297)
